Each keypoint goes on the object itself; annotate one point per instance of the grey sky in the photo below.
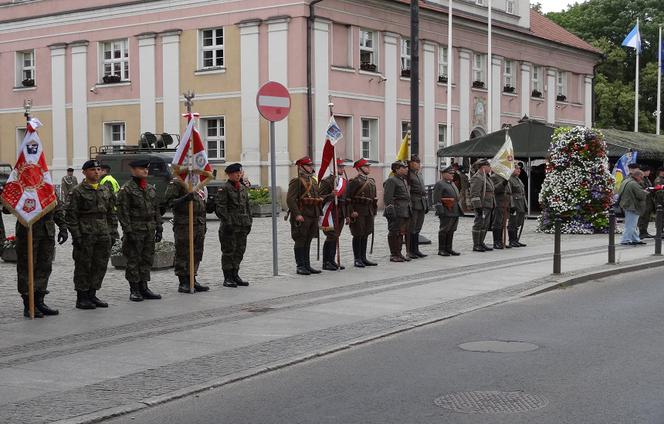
(554, 5)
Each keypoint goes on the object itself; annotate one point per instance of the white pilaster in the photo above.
(170, 48)
(249, 81)
(59, 115)
(588, 100)
(429, 79)
(464, 93)
(391, 123)
(496, 92)
(79, 101)
(551, 95)
(147, 71)
(525, 88)
(278, 71)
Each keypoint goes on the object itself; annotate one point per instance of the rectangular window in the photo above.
(510, 7)
(442, 63)
(214, 132)
(20, 135)
(25, 68)
(561, 83)
(114, 133)
(536, 79)
(369, 138)
(405, 127)
(367, 50)
(405, 54)
(508, 76)
(479, 67)
(211, 48)
(115, 59)
(442, 142)
(479, 2)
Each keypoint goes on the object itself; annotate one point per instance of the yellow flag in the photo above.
(503, 163)
(405, 145)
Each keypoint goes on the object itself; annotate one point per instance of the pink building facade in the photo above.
(102, 72)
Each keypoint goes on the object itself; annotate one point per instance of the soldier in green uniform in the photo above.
(446, 197)
(43, 249)
(177, 196)
(138, 213)
(328, 192)
(304, 205)
(232, 208)
(396, 198)
(419, 206)
(91, 219)
(519, 209)
(67, 184)
(362, 210)
(503, 195)
(483, 201)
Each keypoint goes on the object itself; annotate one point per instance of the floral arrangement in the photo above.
(259, 196)
(578, 186)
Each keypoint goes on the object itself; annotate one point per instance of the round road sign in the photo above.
(273, 101)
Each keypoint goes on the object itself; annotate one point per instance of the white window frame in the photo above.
(479, 70)
(442, 143)
(443, 69)
(216, 49)
(123, 60)
(511, 7)
(109, 132)
(405, 54)
(370, 140)
(536, 79)
(220, 139)
(21, 69)
(370, 49)
(508, 73)
(561, 83)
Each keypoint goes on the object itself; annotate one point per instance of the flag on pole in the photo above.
(633, 39)
(326, 221)
(620, 170)
(29, 192)
(404, 148)
(332, 135)
(503, 163)
(200, 165)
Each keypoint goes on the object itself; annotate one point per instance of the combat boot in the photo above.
(357, 254)
(513, 235)
(299, 261)
(442, 244)
(183, 287)
(43, 308)
(477, 242)
(236, 277)
(411, 246)
(498, 239)
(328, 257)
(92, 295)
(394, 241)
(415, 243)
(82, 300)
(363, 252)
(449, 240)
(482, 237)
(134, 293)
(307, 259)
(228, 279)
(26, 308)
(146, 292)
(201, 288)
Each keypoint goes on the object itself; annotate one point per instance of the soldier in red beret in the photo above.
(362, 211)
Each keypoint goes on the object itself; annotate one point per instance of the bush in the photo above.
(259, 196)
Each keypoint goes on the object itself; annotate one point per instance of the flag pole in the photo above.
(659, 82)
(192, 274)
(636, 85)
(335, 181)
(489, 121)
(448, 141)
(31, 267)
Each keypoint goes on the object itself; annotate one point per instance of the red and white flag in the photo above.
(200, 165)
(332, 135)
(326, 221)
(29, 192)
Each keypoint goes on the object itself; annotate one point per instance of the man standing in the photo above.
(419, 206)
(138, 213)
(462, 183)
(67, 184)
(43, 249)
(304, 205)
(108, 180)
(632, 201)
(362, 210)
(446, 196)
(483, 201)
(90, 216)
(519, 208)
(329, 188)
(177, 196)
(232, 208)
(503, 195)
(396, 197)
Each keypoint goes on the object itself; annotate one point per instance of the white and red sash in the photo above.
(326, 222)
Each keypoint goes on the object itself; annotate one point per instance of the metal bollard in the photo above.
(556, 247)
(612, 237)
(659, 218)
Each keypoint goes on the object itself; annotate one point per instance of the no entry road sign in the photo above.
(273, 101)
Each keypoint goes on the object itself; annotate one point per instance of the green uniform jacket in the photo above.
(396, 196)
(502, 191)
(481, 191)
(633, 197)
(177, 189)
(303, 198)
(362, 194)
(518, 194)
(66, 186)
(449, 190)
(45, 227)
(91, 212)
(138, 209)
(418, 192)
(232, 205)
(325, 190)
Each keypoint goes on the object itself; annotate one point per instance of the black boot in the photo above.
(198, 287)
(442, 244)
(41, 306)
(26, 308)
(134, 293)
(183, 287)
(477, 242)
(299, 261)
(450, 239)
(333, 255)
(92, 295)
(416, 243)
(513, 235)
(357, 254)
(239, 281)
(498, 239)
(482, 238)
(307, 260)
(412, 241)
(228, 279)
(394, 241)
(328, 256)
(82, 300)
(363, 252)
(146, 292)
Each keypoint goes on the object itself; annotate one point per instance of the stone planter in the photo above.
(263, 210)
(164, 256)
(9, 254)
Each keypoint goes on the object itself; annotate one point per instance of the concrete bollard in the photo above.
(612, 237)
(556, 247)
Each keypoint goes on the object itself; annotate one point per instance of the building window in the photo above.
(561, 84)
(442, 64)
(20, 135)
(25, 68)
(212, 48)
(114, 133)
(367, 52)
(508, 76)
(479, 68)
(405, 127)
(442, 143)
(405, 54)
(369, 138)
(115, 61)
(480, 2)
(510, 7)
(215, 137)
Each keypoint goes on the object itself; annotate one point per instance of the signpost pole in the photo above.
(273, 195)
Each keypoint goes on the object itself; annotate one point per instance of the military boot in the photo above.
(411, 246)
(363, 252)
(450, 239)
(146, 292)
(416, 246)
(357, 254)
(228, 279)
(513, 236)
(92, 295)
(498, 239)
(236, 277)
(41, 306)
(83, 301)
(477, 242)
(394, 241)
(442, 244)
(333, 256)
(26, 308)
(198, 287)
(183, 287)
(307, 260)
(328, 256)
(299, 261)
(134, 293)
(482, 238)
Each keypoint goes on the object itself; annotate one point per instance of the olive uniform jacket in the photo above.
(518, 194)
(176, 189)
(303, 199)
(481, 191)
(326, 189)
(44, 228)
(362, 193)
(232, 205)
(447, 190)
(502, 192)
(138, 209)
(418, 192)
(91, 212)
(396, 197)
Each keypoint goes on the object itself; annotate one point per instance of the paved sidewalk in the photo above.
(83, 365)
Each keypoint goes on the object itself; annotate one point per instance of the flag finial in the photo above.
(27, 106)
(188, 96)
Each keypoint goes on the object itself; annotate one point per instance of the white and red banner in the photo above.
(29, 192)
(332, 135)
(326, 221)
(200, 166)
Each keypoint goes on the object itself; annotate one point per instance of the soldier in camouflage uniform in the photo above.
(519, 208)
(328, 192)
(67, 184)
(419, 206)
(396, 198)
(232, 208)
(178, 197)
(304, 206)
(483, 201)
(361, 211)
(91, 219)
(138, 213)
(43, 250)
(503, 195)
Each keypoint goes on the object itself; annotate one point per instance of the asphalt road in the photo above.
(599, 360)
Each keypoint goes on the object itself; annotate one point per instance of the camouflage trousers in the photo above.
(138, 248)
(90, 255)
(181, 235)
(43, 250)
(362, 226)
(233, 245)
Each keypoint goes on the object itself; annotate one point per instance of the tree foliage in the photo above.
(604, 24)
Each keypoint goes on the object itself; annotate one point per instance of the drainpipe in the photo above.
(310, 106)
(594, 100)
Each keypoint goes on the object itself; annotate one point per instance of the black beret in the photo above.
(70, 169)
(93, 163)
(140, 163)
(233, 167)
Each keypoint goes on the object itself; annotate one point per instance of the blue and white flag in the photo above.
(633, 39)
